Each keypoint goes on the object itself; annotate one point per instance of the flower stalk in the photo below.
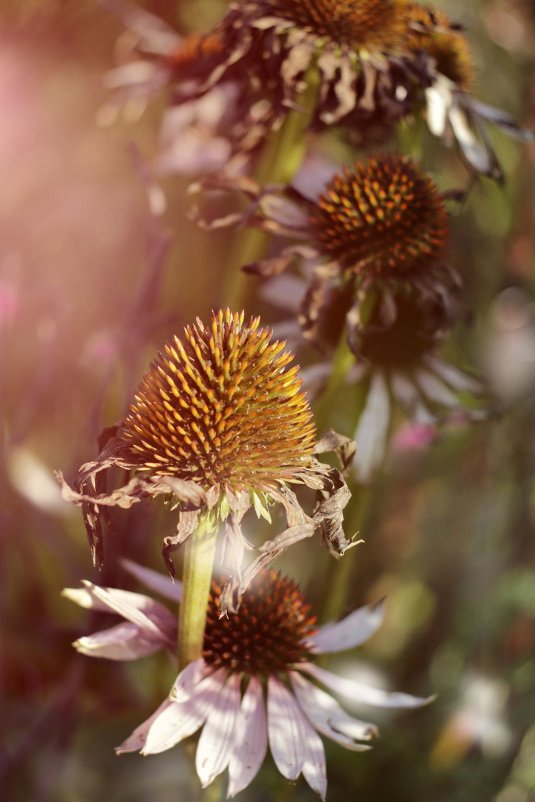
(279, 162)
(196, 579)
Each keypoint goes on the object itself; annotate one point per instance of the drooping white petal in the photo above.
(217, 737)
(351, 631)
(180, 720)
(404, 391)
(250, 742)
(285, 730)
(460, 381)
(154, 580)
(372, 429)
(147, 613)
(314, 766)
(136, 740)
(329, 718)
(124, 641)
(438, 98)
(363, 694)
(186, 682)
(436, 390)
(475, 152)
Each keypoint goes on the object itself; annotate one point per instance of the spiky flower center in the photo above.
(431, 31)
(383, 218)
(419, 327)
(268, 633)
(222, 408)
(357, 23)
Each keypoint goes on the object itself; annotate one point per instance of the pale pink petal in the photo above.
(186, 682)
(250, 743)
(136, 740)
(122, 642)
(351, 631)
(180, 720)
(363, 694)
(217, 737)
(154, 580)
(285, 730)
(314, 767)
(329, 718)
(147, 613)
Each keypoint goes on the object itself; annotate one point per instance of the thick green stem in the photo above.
(280, 160)
(197, 576)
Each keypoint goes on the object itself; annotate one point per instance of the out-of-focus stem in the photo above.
(196, 579)
(279, 161)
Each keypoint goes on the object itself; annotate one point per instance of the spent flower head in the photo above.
(256, 683)
(378, 228)
(219, 424)
(360, 66)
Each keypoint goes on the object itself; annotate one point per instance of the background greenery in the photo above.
(88, 292)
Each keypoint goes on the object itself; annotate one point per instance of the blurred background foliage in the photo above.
(89, 288)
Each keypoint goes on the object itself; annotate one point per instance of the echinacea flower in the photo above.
(451, 112)
(219, 425)
(378, 227)
(376, 62)
(398, 368)
(257, 684)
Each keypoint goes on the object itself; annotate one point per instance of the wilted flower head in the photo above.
(219, 424)
(369, 64)
(379, 226)
(252, 686)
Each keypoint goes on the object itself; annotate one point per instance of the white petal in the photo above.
(329, 718)
(186, 682)
(314, 767)
(439, 100)
(136, 740)
(285, 730)
(372, 429)
(363, 694)
(148, 614)
(180, 720)
(217, 737)
(250, 743)
(462, 382)
(475, 152)
(404, 391)
(351, 631)
(154, 580)
(122, 642)
(435, 390)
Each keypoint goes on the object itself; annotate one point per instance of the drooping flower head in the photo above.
(255, 684)
(219, 424)
(383, 219)
(379, 227)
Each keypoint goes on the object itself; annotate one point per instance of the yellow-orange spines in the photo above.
(383, 218)
(372, 24)
(222, 407)
(431, 31)
(269, 632)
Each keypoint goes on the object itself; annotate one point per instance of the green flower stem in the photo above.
(280, 160)
(342, 362)
(196, 579)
